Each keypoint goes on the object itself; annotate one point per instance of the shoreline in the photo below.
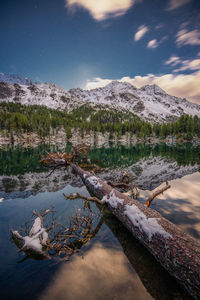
(91, 139)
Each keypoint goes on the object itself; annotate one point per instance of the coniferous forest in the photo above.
(16, 119)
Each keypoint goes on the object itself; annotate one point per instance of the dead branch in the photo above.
(156, 193)
(77, 195)
(57, 240)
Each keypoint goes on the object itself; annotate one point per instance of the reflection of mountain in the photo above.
(147, 174)
(150, 173)
(32, 183)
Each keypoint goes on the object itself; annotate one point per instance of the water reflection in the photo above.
(103, 273)
(115, 266)
(106, 273)
(21, 174)
(158, 283)
(181, 203)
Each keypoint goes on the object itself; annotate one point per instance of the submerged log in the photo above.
(176, 251)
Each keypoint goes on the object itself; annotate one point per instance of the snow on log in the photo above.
(176, 251)
(36, 239)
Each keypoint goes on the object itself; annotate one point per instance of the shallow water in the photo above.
(112, 265)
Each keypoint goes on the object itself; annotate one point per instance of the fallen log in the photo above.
(176, 251)
(157, 281)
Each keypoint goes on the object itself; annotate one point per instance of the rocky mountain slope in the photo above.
(149, 102)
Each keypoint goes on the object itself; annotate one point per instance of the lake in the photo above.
(110, 264)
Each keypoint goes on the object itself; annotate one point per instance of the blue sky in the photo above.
(87, 43)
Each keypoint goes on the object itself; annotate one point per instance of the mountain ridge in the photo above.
(150, 102)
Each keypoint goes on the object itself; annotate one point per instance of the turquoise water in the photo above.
(112, 264)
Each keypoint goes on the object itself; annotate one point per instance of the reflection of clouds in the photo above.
(102, 274)
(181, 203)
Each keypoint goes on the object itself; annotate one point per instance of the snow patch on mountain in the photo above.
(12, 79)
(149, 102)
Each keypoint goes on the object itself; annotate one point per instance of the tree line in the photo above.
(16, 118)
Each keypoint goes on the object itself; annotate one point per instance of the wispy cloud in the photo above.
(153, 44)
(174, 4)
(102, 9)
(173, 60)
(184, 37)
(184, 65)
(142, 30)
(180, 85)
(192, 65)
(159, 26)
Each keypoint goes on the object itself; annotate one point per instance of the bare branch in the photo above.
(77, 195)
(156, 193)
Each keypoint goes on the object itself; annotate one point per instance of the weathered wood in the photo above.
(77, 195)
(176, 251)
(156, 193)
(157, 281)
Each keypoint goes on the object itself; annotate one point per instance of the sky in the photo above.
(88, 43)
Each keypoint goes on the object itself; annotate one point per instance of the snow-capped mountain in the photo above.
(149, 102)
(30, 93)
(11, 79)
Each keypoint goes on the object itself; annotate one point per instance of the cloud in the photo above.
(173, 60)
(189, 64)
(184, 37)
(159, 26)
(102, 9)
(153, 44)
(102, 272)
(184, 65)
(174, 4)
(180, 85)
(142, 30)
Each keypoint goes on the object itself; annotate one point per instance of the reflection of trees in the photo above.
(15, 161)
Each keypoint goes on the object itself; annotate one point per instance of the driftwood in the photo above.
(63, 159)
(57, 241)
(176, 251)
(36, 240)
(156, 193)
(77, 195)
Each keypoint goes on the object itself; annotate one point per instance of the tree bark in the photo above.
(176, 251)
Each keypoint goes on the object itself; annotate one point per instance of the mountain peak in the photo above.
(149, 102)
(154, 88)
(115, 84)
(12, 79)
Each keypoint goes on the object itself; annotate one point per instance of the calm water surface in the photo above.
(112, 265)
